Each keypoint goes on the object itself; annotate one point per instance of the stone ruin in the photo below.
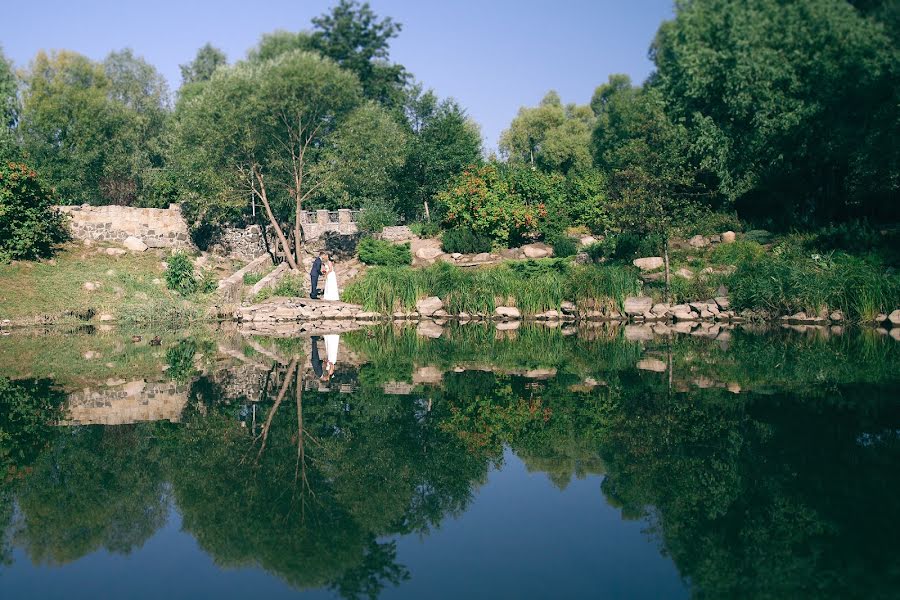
(156, 227)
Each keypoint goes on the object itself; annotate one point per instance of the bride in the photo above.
(331, 285)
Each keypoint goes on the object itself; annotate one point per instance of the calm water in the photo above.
(515, 464)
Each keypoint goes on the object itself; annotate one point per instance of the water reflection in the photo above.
(762, 463)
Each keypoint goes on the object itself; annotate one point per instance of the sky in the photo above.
(492, 56)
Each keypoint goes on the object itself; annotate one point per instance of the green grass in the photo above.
(482, 290)
(253, 278)
(291, 286)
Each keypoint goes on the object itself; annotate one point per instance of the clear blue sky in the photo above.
(492, 56)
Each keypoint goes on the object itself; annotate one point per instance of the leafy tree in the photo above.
(258, 131)
(364, 156)
(9, 109)
(30, 225)
(444, 141)
(354, 36)
(208, 59)
(551, 136)
(792, 105)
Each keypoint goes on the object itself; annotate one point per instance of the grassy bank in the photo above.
(532, 286)
(131, 288)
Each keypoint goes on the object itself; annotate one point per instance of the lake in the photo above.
(469, 461)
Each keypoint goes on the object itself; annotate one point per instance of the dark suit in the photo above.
(314, 357)
(314, 273)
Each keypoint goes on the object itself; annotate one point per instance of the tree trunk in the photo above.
(297, 228)
(666, 260)
(427, 212)
(278, 232)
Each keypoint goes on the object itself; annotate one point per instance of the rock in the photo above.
(638, 333)
(508, 312)
(660, 309)
(588, 240)
(537, 250)
(512, 253)
(429, 329)
(837, 316)
(568, 308)
(722, 302)
(399, 233)
(90, 286)
(582, 258)
(508, 325)
(728, 237)
(685, 273)
(894, 318)
(649, 263)
(651, 364)
(116, 251)
(134, 244)
(428, 253)
(107, 317)
(551, 315)
(637, 305)
(456, 255)
(705, 314)
(482, 257)
(429, 306)
(157, 281)
(90, 355)
(439, 314)
(698, 241)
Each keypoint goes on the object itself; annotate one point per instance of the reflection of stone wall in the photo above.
(242, 381)
(127, 402)
(156, 227)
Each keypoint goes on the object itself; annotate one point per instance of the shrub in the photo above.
(465, 241)
(180, 274)
(379, 252)
(425, 229)
(707, 222)
(760, 236)
(736, 252)
(375, 215)
(30, 227)
(563, 246)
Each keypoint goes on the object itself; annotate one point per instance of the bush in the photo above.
(180, 274)
(465, 241)
(760, 236)
(563, 246)
(707, 222)
(737, 252)
(375, 215)
(30, 227)
(379, 252)
(425, 229)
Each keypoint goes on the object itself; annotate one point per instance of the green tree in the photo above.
(444, 141)
(364, 156)
(208, 59)
(792, 105)
(9, 109)
(30, 226)
(258, 131)
(551, 136)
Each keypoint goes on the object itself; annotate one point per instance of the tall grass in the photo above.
(482, 290)
(789, 280)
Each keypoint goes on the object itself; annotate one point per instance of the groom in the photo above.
(314, 273)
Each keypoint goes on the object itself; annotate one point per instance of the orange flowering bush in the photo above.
(482, 199)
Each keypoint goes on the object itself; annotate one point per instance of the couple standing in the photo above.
(322, 265)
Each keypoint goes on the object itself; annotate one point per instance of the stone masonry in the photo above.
(156, 227)
(124, 402)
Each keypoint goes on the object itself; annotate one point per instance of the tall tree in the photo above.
(551, 136)
(260, 130)
(443, 143)
(9, 107)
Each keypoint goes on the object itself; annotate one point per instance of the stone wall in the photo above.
(243, 244)
(122, 402)
(156, 227)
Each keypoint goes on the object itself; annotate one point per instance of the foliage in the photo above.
(29, 409)
(375, 215)
(443, 142)
(9, 110)
(781, 98)
(30, 225)
(563, 246)
(464, 241)
(425, 229)
(551, 136)
(760, 236)
(482, 290)
(482, 199)
(736, 252)
(180, 274)
(791, 279)
(380, 252)
(208, 59)
(180, 359)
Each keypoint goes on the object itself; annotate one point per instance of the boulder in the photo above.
(837, 316)
(722, 302)
(650, 263)
(637, 305)
(429, 329)
(508, 312)
(456, 255)
(429, 306)
(685, 272)
(428, 253)
(582, 258)
(728, 237)
(107, 317)
(588, 240)
(568, 308)
(894, 318)
(482, 257)
(537, 250)
(116, 251)
(660, 309)
(90, 286)
(134, 244)
(651, 364)
(399, 233)
(638, 333)
(698, 241)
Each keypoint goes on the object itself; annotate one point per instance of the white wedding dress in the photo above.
(331, 286)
